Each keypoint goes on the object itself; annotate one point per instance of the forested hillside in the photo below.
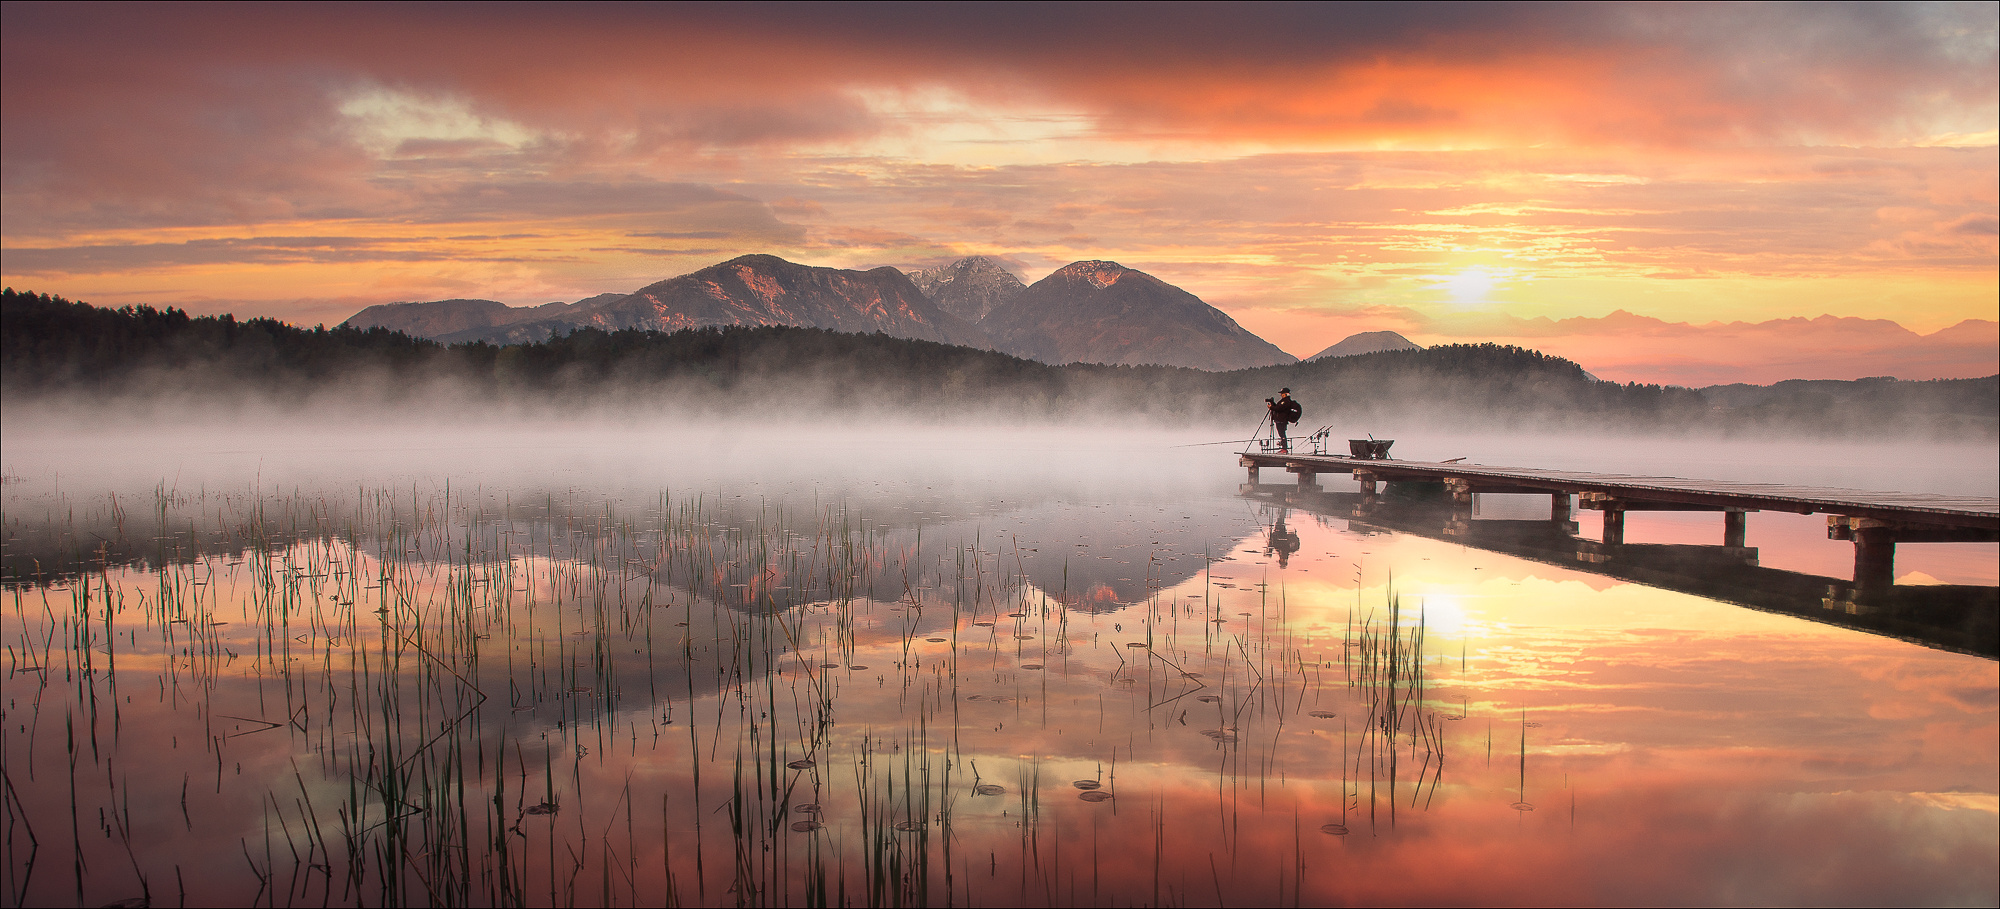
(53, 347)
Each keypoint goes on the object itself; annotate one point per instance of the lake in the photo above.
(582, 663)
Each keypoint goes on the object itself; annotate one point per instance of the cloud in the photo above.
(1341, 230)
(206, 115)
(683, 234)
(308, 85)
(1974, 224)
(1692, 162)
(259, 250)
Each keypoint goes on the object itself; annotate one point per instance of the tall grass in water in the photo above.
(451, 696)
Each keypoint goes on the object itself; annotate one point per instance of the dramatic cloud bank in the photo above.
(1312, 169)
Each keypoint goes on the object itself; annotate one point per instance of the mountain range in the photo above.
(1629, 347)
(60, 352)
(1090, 312)
(968, 288)
(1366, 342)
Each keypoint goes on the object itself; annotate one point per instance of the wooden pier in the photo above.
(1874, 521)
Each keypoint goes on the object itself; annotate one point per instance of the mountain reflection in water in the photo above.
(475, 697)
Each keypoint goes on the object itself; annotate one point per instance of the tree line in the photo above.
(52, 346)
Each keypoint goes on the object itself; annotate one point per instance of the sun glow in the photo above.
(1471, 285)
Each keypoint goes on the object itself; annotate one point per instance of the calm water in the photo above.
(588, 666)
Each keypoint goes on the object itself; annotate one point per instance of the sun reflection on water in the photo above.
(446, 701)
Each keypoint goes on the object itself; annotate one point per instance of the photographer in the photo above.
(1284, 412)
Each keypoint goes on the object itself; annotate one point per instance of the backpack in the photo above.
(1291, 411)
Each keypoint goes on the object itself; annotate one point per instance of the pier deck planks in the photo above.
(1909, 507)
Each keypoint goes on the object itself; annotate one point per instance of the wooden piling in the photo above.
(1874, 559)
(1735, 528)
(1614, 526)
(1874, 521)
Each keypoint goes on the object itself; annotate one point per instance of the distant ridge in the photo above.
(439, 319)
(1088, 312)
(52, 349)
(969, 288)
(767, 290)
(1102, 312)
(748, 290)
(1366, 342)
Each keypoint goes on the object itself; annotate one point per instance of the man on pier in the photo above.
(1284, 412)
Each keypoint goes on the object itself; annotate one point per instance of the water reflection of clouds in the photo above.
(1674, 749)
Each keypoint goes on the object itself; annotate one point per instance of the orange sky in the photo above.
(1515, 173)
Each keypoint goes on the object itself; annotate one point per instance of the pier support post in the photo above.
(1561, 514)
(1250, 466)
(1461, 492)
(1460, 522)
(1735, 527)
(1369, 492)
(1874, 559)
(1875, 542)
(1614, 526)
(1308, 475)
(1875, 547)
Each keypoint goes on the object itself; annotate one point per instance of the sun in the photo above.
(1469, 286)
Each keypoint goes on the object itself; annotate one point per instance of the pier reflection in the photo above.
(1948, 616)
(1312, 710)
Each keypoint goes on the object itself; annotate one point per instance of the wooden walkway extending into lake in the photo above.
(1874, 521)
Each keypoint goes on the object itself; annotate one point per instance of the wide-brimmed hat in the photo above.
(1284, 391)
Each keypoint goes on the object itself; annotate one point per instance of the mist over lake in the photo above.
(601, 659)
(839, 454)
